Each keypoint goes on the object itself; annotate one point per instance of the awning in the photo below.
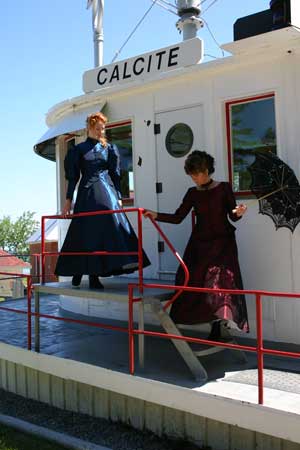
(74, 121)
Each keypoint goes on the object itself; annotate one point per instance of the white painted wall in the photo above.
(269, 259)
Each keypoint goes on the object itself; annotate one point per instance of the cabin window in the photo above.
(179, 140)
(120, 134)
(251, 126)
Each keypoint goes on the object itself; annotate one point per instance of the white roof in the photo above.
(73, 122)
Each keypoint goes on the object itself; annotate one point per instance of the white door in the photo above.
(177, 130)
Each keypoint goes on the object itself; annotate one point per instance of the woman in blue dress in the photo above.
(98, 164)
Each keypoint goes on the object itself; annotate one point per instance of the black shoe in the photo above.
(94, 282)
(76, 280)
(215, 333)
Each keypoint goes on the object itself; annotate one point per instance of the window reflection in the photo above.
(252, 128)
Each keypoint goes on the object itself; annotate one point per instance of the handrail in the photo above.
(181, 262)
(139, 252)
(92, 213)
(259, 348)
(13, 276)
(140, 244)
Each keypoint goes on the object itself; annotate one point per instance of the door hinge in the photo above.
(157, 128)
(161, 246)
(158, 188)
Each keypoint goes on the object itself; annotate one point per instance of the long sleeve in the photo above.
(231, 203)
(180, 213)
(114, 168)
(72, 170)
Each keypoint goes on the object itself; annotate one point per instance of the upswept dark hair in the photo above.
(199, 161)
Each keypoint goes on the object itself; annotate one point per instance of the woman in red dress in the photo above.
(211, 254)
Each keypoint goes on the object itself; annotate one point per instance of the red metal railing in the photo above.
(259, 348)
(44, 254)
(141, 286)
(181, 262)
(139, 252)
(11, 275)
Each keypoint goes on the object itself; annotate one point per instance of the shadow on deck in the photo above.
(109, 349)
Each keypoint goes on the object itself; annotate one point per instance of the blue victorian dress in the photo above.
(99, 189)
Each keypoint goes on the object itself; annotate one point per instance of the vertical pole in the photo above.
(189, 22)
(130, 330)
(43, 249)
(36, 320)
(37, 267)
(141, 337)
(260, 354)
(98, 7)
(29, 295)
(140, 249)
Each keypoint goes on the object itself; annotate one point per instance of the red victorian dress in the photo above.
(211, 256)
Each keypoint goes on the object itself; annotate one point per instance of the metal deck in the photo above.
(116, 290)
(162, 362)
(164, 378)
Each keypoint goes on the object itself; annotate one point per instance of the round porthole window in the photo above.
(179, 140)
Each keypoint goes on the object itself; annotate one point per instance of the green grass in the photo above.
(11, 439)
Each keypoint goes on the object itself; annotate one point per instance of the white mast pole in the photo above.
(189, 23)
(98, 7)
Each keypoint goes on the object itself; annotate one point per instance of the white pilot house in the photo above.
(164, 104)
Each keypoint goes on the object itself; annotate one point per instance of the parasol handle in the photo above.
(251, 202)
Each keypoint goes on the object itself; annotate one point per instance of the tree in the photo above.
(13, 235)
(5, 231)
(269, 137)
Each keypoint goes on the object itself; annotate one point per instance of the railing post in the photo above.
(140, 249)
(130, 330)
(38, 266)
(43, 249)
(260, 354)
(29, 295)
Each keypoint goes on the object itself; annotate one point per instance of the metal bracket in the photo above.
(157, 128)
(161, 246)
(158, 188)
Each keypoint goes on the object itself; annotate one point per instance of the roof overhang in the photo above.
(72, 122)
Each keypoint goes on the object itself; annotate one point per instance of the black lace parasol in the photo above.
(276, 187)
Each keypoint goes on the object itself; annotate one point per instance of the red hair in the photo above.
(91, 121)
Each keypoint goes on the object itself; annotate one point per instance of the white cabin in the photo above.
(227, 107)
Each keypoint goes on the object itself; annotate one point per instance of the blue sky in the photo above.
(45, 46)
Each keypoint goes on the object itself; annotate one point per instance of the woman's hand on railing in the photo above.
(67, 207)
(149, 213)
